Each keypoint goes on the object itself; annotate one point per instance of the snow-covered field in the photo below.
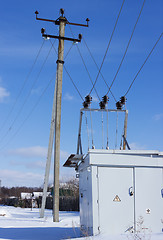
(24, 224)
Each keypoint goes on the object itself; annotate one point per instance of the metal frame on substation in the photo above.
(75, 159)
(79, 143)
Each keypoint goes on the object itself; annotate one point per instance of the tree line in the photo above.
(68, 191)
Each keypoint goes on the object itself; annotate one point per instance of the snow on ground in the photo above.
(24, 224)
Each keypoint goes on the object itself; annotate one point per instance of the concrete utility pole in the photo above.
(49, 154)
(61, 21)
(58, 119)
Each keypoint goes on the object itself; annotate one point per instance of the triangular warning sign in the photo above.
(116, 199)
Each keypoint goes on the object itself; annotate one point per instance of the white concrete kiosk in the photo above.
(120, 191)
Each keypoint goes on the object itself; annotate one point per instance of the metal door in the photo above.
(85, 201)
(116, 200)
(149, 199)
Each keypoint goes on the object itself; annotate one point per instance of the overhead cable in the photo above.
(30, 113)
(23, 86)
(52, 46)
(107, 47)
(127, 47)
(27, 97)
(143, 64)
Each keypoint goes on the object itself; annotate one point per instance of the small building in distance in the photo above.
(33, 195)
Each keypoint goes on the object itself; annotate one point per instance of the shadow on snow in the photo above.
(43, 233)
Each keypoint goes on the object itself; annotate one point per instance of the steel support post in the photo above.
(125, 129)
(79, 146)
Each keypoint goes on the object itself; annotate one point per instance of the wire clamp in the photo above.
(60, 61)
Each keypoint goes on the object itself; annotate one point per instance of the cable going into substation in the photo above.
(143, 63)
(107, 143)
(98, 68)
(126, 47)
(92, 130)
(84, 64)
(107, 47)
(22, 88)
(102, 122)
(116, 133)
(78, 90)
(86, 121)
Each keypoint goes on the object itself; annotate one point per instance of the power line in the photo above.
(43, 92)
(143, 64)
(39, 97)
(21, 90)
(127, 47)
(27, 97)
(84, 64)
(98, 68)
(108, 46)
(87, 70)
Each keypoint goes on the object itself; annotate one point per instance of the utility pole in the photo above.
(49, 154)
(61, 21)
(60, 62)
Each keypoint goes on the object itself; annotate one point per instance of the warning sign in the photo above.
(116, 199)
(148, 211)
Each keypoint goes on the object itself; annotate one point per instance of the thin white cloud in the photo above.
(3, 94)
(19, 178)
(158, 117)
(68, 97)
(137, 146)
(21, 50)
(95, 99)
(27, 176)
(29, 165)
(36, 91)
(34, 151)
(64, 154)
(11, 178)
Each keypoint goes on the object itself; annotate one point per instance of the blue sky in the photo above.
(23, 143)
